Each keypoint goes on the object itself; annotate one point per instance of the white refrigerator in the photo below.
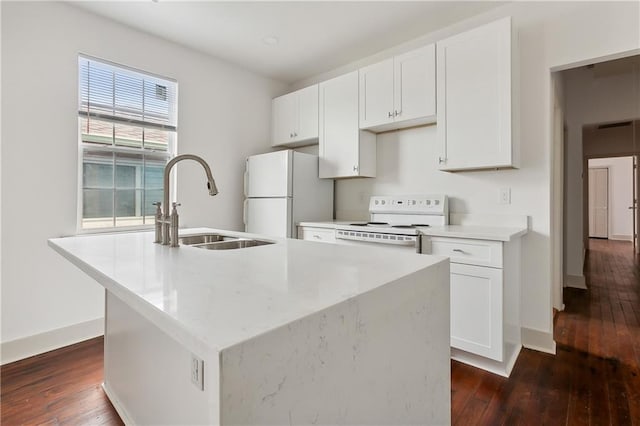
(281, 189)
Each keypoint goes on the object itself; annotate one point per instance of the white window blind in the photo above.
(128, 126)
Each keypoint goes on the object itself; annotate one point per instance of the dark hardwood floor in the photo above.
(593, 379)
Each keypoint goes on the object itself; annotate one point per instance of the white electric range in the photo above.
(396, 221)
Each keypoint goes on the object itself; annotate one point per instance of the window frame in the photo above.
(171, 152)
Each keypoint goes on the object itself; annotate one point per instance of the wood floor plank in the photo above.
(594, 378)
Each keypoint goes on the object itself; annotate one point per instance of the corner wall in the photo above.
(551, 34)
(42, 292)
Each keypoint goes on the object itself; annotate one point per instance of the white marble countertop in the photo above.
(476, 232)
(212, 299)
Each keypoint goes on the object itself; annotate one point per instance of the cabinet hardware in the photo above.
(390, 114)
(290, 135)
(458, 250)
(442, 160)
(397, 113)
(317, 237)
(355, 168)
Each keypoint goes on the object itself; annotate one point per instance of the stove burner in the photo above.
(377, 223)
(419, 224)
(402, 226)
(358, 224)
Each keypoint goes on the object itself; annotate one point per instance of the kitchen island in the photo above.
(293, 332)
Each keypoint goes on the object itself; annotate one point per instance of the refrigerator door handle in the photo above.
(244, 212)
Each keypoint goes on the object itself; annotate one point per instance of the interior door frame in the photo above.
(634, 204)
(557, 154)
(585, 192)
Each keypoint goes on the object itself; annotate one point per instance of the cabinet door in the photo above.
(376, 94)
(307, 114)
(415, 84)
(474, 98)
(283, 115)
(476, 310)
(338, 151)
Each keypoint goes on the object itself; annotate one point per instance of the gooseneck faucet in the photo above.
(167, 222)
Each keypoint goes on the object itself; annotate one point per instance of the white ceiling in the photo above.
(314, 37)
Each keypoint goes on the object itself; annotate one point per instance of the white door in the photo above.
(268, 175)
(476, 310)
(307, 114)
(283, 116)
(598, 202)
(339, 138)
(268, 216)
(415, 84)
(474, 98)
(376, 94)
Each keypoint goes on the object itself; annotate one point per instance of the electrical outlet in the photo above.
(505, 196)
(197, 372)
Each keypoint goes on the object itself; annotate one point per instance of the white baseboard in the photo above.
(575, 281)
(124, 416)
(538, 340)
(26, 347)
(620, 237)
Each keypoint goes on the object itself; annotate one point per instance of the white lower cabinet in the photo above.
(485, 296)
(476, 310)
(485, 300)
(316, 234)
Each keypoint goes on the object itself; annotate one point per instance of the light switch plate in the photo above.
(197, 372)
(505, 196)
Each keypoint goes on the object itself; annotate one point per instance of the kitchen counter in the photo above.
(275, 325)
(474, 232)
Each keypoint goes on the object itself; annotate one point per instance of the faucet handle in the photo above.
(158, 205)
(175, 208)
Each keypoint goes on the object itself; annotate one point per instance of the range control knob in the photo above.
(377, 202)
(428, 202)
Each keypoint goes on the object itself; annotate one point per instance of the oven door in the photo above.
(409, 243)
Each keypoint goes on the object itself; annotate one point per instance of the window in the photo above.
(128, 122)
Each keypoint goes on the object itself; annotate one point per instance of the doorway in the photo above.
(611, 197)
(600, 116)
(598, 201)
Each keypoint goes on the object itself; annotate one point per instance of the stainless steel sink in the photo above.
(189, 240)
(234, 244)
(219, 242)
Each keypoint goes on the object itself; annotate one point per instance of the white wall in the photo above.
(551, 34)
(590, 100)
(620, 195)
(224, 115)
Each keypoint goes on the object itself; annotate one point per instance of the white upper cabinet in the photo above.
(345, 150)
(295, 118)
(399, 92)
(475, 99)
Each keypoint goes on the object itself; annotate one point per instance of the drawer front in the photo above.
(469, 252)
(317, 234)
